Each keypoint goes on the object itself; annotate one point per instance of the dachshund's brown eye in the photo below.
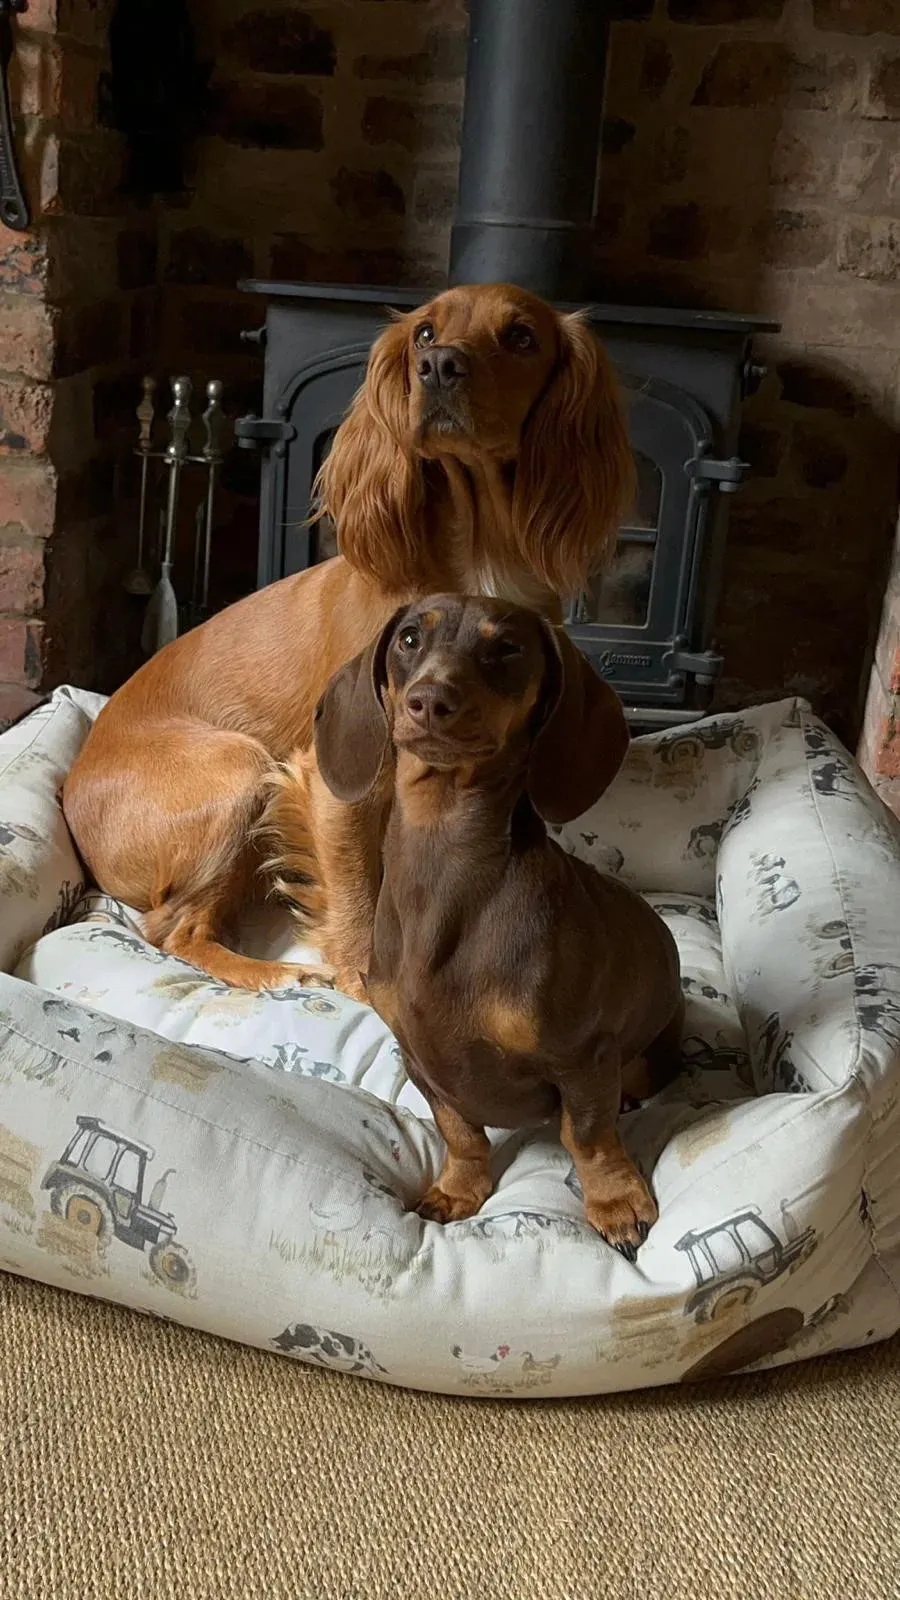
(503, 651)
(519, 337)
(424, 334)
(409, 639)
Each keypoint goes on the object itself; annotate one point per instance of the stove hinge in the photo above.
(704, 665)
(710, 472)
(276, 433)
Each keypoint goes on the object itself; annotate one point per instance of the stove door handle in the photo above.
(726, 475)
(252, 431)
(704, 665)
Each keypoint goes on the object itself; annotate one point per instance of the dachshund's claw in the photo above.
(629, 1251)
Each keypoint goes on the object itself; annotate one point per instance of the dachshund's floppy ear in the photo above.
(575, 472)
(351, 731)
(581, 742)
(371, 483)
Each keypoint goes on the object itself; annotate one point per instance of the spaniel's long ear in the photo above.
(351, 731)
(575, 473)
(583, 737)
(370, 483)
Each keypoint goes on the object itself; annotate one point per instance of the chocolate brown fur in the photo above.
(520, 982)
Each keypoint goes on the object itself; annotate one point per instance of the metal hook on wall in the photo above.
(13, 205)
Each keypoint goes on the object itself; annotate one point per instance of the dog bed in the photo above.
(247, 1164)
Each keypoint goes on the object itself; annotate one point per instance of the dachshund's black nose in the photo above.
(433, 706)
(442, 367)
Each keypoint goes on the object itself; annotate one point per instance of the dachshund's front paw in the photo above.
(439, 1206)
(625, 1217)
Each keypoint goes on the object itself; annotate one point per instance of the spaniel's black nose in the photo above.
(442, 367)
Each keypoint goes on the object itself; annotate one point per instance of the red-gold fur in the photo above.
(521, 499)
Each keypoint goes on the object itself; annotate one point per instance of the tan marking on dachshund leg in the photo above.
(465, 1180)
(616, 1199)
(508, 1026)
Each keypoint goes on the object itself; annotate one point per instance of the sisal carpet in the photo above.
(142, 1462)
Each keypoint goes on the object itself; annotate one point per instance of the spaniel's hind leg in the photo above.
(187, 856)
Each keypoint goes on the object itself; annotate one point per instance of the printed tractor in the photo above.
(736, 1258)
(98, 1185)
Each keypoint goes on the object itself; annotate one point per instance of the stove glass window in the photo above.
(622, 595)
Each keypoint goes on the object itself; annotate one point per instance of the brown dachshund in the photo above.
(518, 980)
(486, 451)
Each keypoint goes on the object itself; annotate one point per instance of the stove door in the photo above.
(640, 624)
(309, 412)
(641, 619)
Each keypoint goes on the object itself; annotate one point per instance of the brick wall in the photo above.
(69, 298)
(752, 160)
(329, 153)
(879, 745)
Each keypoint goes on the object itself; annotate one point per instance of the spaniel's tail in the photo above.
(284, 836)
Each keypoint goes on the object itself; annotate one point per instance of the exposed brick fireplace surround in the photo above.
(751, 161)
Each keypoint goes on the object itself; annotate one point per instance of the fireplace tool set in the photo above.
(166, 616)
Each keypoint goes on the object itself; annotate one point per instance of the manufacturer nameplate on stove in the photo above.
(611, 661)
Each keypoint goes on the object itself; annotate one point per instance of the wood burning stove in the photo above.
(531, 128)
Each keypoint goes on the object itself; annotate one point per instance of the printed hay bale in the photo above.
(19, 1162)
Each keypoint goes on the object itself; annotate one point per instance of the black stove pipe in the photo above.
(530, 144)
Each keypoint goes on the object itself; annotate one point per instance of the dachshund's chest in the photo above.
(475, 1031)
(486, 1061)
(496, 960)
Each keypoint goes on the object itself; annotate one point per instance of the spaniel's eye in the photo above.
(424, 334)
(520, 338)
(409, 639)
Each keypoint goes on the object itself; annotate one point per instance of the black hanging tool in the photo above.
(13, 209)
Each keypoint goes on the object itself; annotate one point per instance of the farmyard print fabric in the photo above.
(248, 1164)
